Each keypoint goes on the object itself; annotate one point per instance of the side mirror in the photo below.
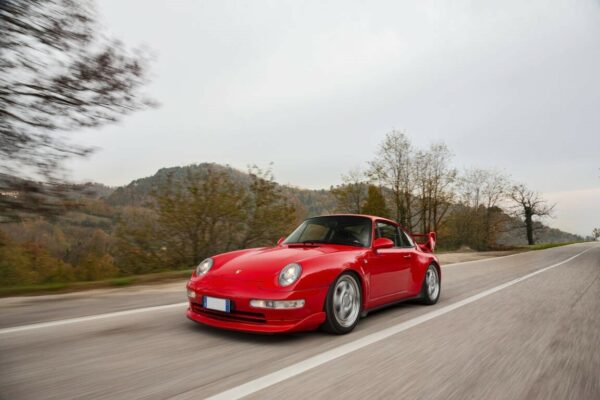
(382, 243)
(281, 239)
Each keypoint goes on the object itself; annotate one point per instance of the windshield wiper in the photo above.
(348, 244)
(307, 243)
(318, 242)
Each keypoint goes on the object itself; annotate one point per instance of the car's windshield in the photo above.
(336, 229)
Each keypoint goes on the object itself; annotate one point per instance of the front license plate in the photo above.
(213, 303)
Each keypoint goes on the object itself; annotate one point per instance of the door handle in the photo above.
(407, 256)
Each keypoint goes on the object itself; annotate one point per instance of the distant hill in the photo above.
(311, 202)
(136, 193)
(515, 234)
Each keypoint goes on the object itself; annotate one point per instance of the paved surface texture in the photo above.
(535, 339)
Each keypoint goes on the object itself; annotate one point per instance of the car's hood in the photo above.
(265, 264)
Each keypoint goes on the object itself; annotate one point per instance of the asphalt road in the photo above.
(526, 326)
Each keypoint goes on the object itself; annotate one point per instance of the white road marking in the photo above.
(50, 324)
(264, 382)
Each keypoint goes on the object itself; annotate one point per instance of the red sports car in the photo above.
(329, 272)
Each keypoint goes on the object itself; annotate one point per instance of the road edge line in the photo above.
(39, 325)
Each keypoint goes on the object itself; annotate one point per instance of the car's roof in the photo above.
(372, 217)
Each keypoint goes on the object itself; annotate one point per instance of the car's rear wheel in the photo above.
(430, 290)
(343, 304)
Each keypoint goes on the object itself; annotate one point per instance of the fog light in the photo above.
(277, 304)
(191, 294)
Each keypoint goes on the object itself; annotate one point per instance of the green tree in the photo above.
(375, 204)
(94, 266)
(30, 264)
(199, 215)
(140, 246)
(203, 217)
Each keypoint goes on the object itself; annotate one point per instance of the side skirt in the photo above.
(364, 313)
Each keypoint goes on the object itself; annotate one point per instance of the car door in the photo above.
(415, 271)
(389, 269)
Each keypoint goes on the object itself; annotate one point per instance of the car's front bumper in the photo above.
(244, 317)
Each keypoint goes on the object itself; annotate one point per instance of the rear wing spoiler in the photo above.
(426, 241)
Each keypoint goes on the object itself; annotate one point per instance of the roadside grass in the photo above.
(538, 246)
(122, 281)
(544, 246)
(66, 287)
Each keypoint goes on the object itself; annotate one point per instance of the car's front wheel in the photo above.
(430, 291)
(343, 304)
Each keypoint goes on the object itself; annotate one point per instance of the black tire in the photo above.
(427, 296)
(333, 324)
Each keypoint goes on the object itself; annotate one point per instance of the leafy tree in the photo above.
(269, 215)
(95, 267)
(375, 204)
(596, 233)
(202, 214)
(30, 264)
(57, 74)
(140, 246)
(528, 205)
(351, 194)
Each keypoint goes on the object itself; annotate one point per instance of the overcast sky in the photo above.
(314, 87)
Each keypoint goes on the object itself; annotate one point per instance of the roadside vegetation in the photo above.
(63, 287)
(171, 221)
(166, 276)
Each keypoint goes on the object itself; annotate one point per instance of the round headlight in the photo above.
(289, 274)
(204, 267)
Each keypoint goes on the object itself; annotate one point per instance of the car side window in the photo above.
(388, 231)
(406, 239)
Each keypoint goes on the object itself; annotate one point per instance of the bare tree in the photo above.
(481, 191)
(393, 167)
(527, 205)
(57, 74)
(596, 233)
(434, 179)
(482, 187)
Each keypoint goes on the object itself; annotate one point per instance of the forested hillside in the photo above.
(180, 215)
